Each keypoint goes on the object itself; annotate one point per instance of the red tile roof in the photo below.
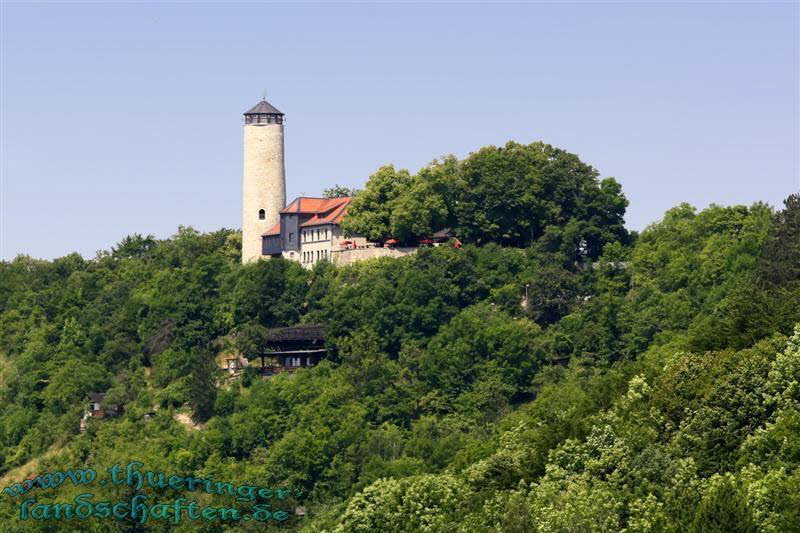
(332, 216)
(323, 211)
(274, 230)
(305, 204)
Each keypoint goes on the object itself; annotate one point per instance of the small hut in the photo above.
(442, 236)
(97, 408)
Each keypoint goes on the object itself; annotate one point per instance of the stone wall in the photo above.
(263, 184)
(346, 257)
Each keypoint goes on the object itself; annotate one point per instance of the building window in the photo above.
(262, 214)
(291, 237)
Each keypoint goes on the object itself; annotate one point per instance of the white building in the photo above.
(308, 231)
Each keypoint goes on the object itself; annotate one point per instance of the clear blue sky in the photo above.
(126, 118)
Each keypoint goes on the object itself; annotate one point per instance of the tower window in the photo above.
(262, 214)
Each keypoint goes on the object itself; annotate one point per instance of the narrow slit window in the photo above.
(262, 214)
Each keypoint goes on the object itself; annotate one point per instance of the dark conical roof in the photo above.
(263, 107)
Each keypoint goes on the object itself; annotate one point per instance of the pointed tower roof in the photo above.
(263, 107)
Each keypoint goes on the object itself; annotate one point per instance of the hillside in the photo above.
(651, 383)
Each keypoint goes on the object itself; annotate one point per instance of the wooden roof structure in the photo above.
(263, 108)
(296, 333)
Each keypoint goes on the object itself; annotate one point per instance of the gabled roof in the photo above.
(307, 204)
(333, 216)
(263, 107)
(322, 211)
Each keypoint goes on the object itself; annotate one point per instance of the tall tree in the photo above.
(517, 194)
(339, 191)
(370, 213)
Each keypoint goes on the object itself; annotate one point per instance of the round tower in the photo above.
(264, 176)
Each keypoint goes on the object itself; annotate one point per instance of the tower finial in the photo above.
(263, 94)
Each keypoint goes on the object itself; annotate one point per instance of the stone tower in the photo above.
(264, 176)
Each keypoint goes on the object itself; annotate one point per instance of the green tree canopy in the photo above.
(516, 195)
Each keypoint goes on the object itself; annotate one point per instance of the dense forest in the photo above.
(648, 383)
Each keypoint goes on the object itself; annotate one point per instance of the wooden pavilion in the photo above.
(291, 348)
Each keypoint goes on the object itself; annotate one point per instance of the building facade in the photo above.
(308, 231)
